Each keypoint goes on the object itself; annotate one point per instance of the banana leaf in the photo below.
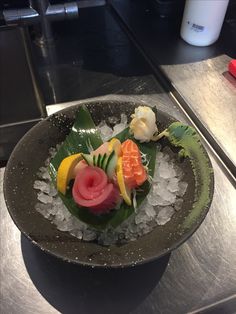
(83, 132)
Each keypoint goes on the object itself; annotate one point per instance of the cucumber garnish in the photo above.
(88, 158)
(105, 162)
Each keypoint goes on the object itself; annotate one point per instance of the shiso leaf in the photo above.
(82, 132)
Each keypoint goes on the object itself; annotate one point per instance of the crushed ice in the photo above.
(163, 200)
(107, 132)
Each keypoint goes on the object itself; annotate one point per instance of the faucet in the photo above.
(42, 12)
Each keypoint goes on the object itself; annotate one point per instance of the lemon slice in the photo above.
(115, 145)
(65, 171)
(125, 192)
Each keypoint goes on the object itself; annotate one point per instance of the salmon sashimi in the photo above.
(133, 169)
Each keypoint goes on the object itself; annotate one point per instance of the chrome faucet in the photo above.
(42, 12)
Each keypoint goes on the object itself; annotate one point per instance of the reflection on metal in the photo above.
(7, 125)
(51, 109)
(59, 11)
(49, 54)
(91, 3)
(21, 16)
(51, 84)
(37, 90)
(227, 303)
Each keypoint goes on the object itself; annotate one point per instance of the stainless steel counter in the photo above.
(210, 91)
(201, 272)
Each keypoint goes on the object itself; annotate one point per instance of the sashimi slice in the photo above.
(103, 149)
(91, 181)
(110, 202)
(92, 190)
(80, 165)
(133, 169)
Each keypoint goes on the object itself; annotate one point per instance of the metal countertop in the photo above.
(210, 91)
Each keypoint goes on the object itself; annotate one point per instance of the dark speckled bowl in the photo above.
(30, 154)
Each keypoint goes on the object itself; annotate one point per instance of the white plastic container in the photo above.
(202, 21)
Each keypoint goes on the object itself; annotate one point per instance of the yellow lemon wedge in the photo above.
(65, 171)
(125, 192)
(115, 145)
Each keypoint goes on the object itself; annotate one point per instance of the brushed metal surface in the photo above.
(210, 92)
(200, 272)
(203, 270)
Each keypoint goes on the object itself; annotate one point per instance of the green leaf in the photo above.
(84, 132)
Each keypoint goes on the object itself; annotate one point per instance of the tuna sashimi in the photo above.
(91, 189)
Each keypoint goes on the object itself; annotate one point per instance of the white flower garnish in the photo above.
(143, 124)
